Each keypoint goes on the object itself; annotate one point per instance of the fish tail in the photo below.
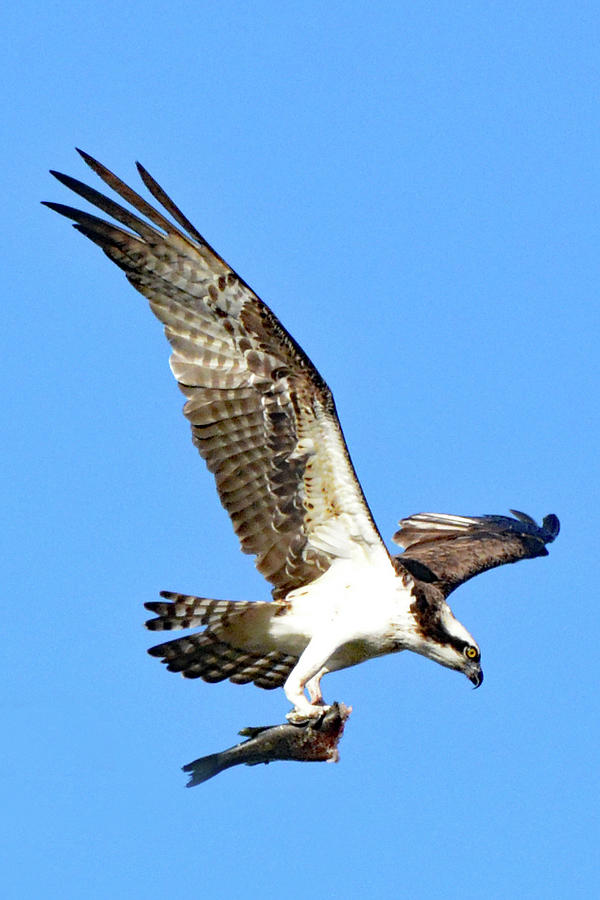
(205, 767)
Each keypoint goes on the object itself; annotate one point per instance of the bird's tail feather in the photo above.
(222, 650)
(187, 611)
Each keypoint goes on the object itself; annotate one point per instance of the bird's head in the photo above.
(442, 638)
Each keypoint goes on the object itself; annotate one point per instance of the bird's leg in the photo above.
(313, 686)
(307, 673)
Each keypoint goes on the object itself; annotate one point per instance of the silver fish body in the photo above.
(311, 741)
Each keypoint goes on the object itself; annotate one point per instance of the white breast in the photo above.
(355, 603)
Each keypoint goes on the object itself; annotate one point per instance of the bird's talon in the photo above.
(307, 715)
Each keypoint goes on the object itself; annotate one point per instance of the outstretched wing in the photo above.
(261, 415)
(451, 549)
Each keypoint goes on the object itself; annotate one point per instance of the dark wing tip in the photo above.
(92, 163)
(67, 180)
(72, 183)
(548, 530)
(551, 525)
(69, 212)
(523, 517)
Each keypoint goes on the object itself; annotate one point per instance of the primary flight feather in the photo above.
(265, 422)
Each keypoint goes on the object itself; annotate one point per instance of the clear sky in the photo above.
(413, 188)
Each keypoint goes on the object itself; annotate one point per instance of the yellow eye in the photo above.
(471, 652)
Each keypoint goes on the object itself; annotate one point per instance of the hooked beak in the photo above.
(476, 678)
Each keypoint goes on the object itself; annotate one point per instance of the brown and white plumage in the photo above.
(207, 657)
(265, 422)
(456, 548)
(261, 416)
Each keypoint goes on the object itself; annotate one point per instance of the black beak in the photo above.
(476, 678)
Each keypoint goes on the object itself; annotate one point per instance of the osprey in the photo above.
(265, 422)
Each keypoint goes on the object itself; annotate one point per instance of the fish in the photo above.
(309, 741)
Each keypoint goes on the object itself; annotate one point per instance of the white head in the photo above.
(439, 636)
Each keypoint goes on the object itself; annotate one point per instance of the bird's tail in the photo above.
(229, 647)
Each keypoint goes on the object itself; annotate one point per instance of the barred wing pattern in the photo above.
(452, 549)
(261, 415)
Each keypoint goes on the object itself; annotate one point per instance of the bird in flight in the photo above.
(265, 422)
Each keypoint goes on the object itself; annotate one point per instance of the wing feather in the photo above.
(451, 549)
(262, 417)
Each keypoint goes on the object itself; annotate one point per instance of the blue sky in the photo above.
(414, 189)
